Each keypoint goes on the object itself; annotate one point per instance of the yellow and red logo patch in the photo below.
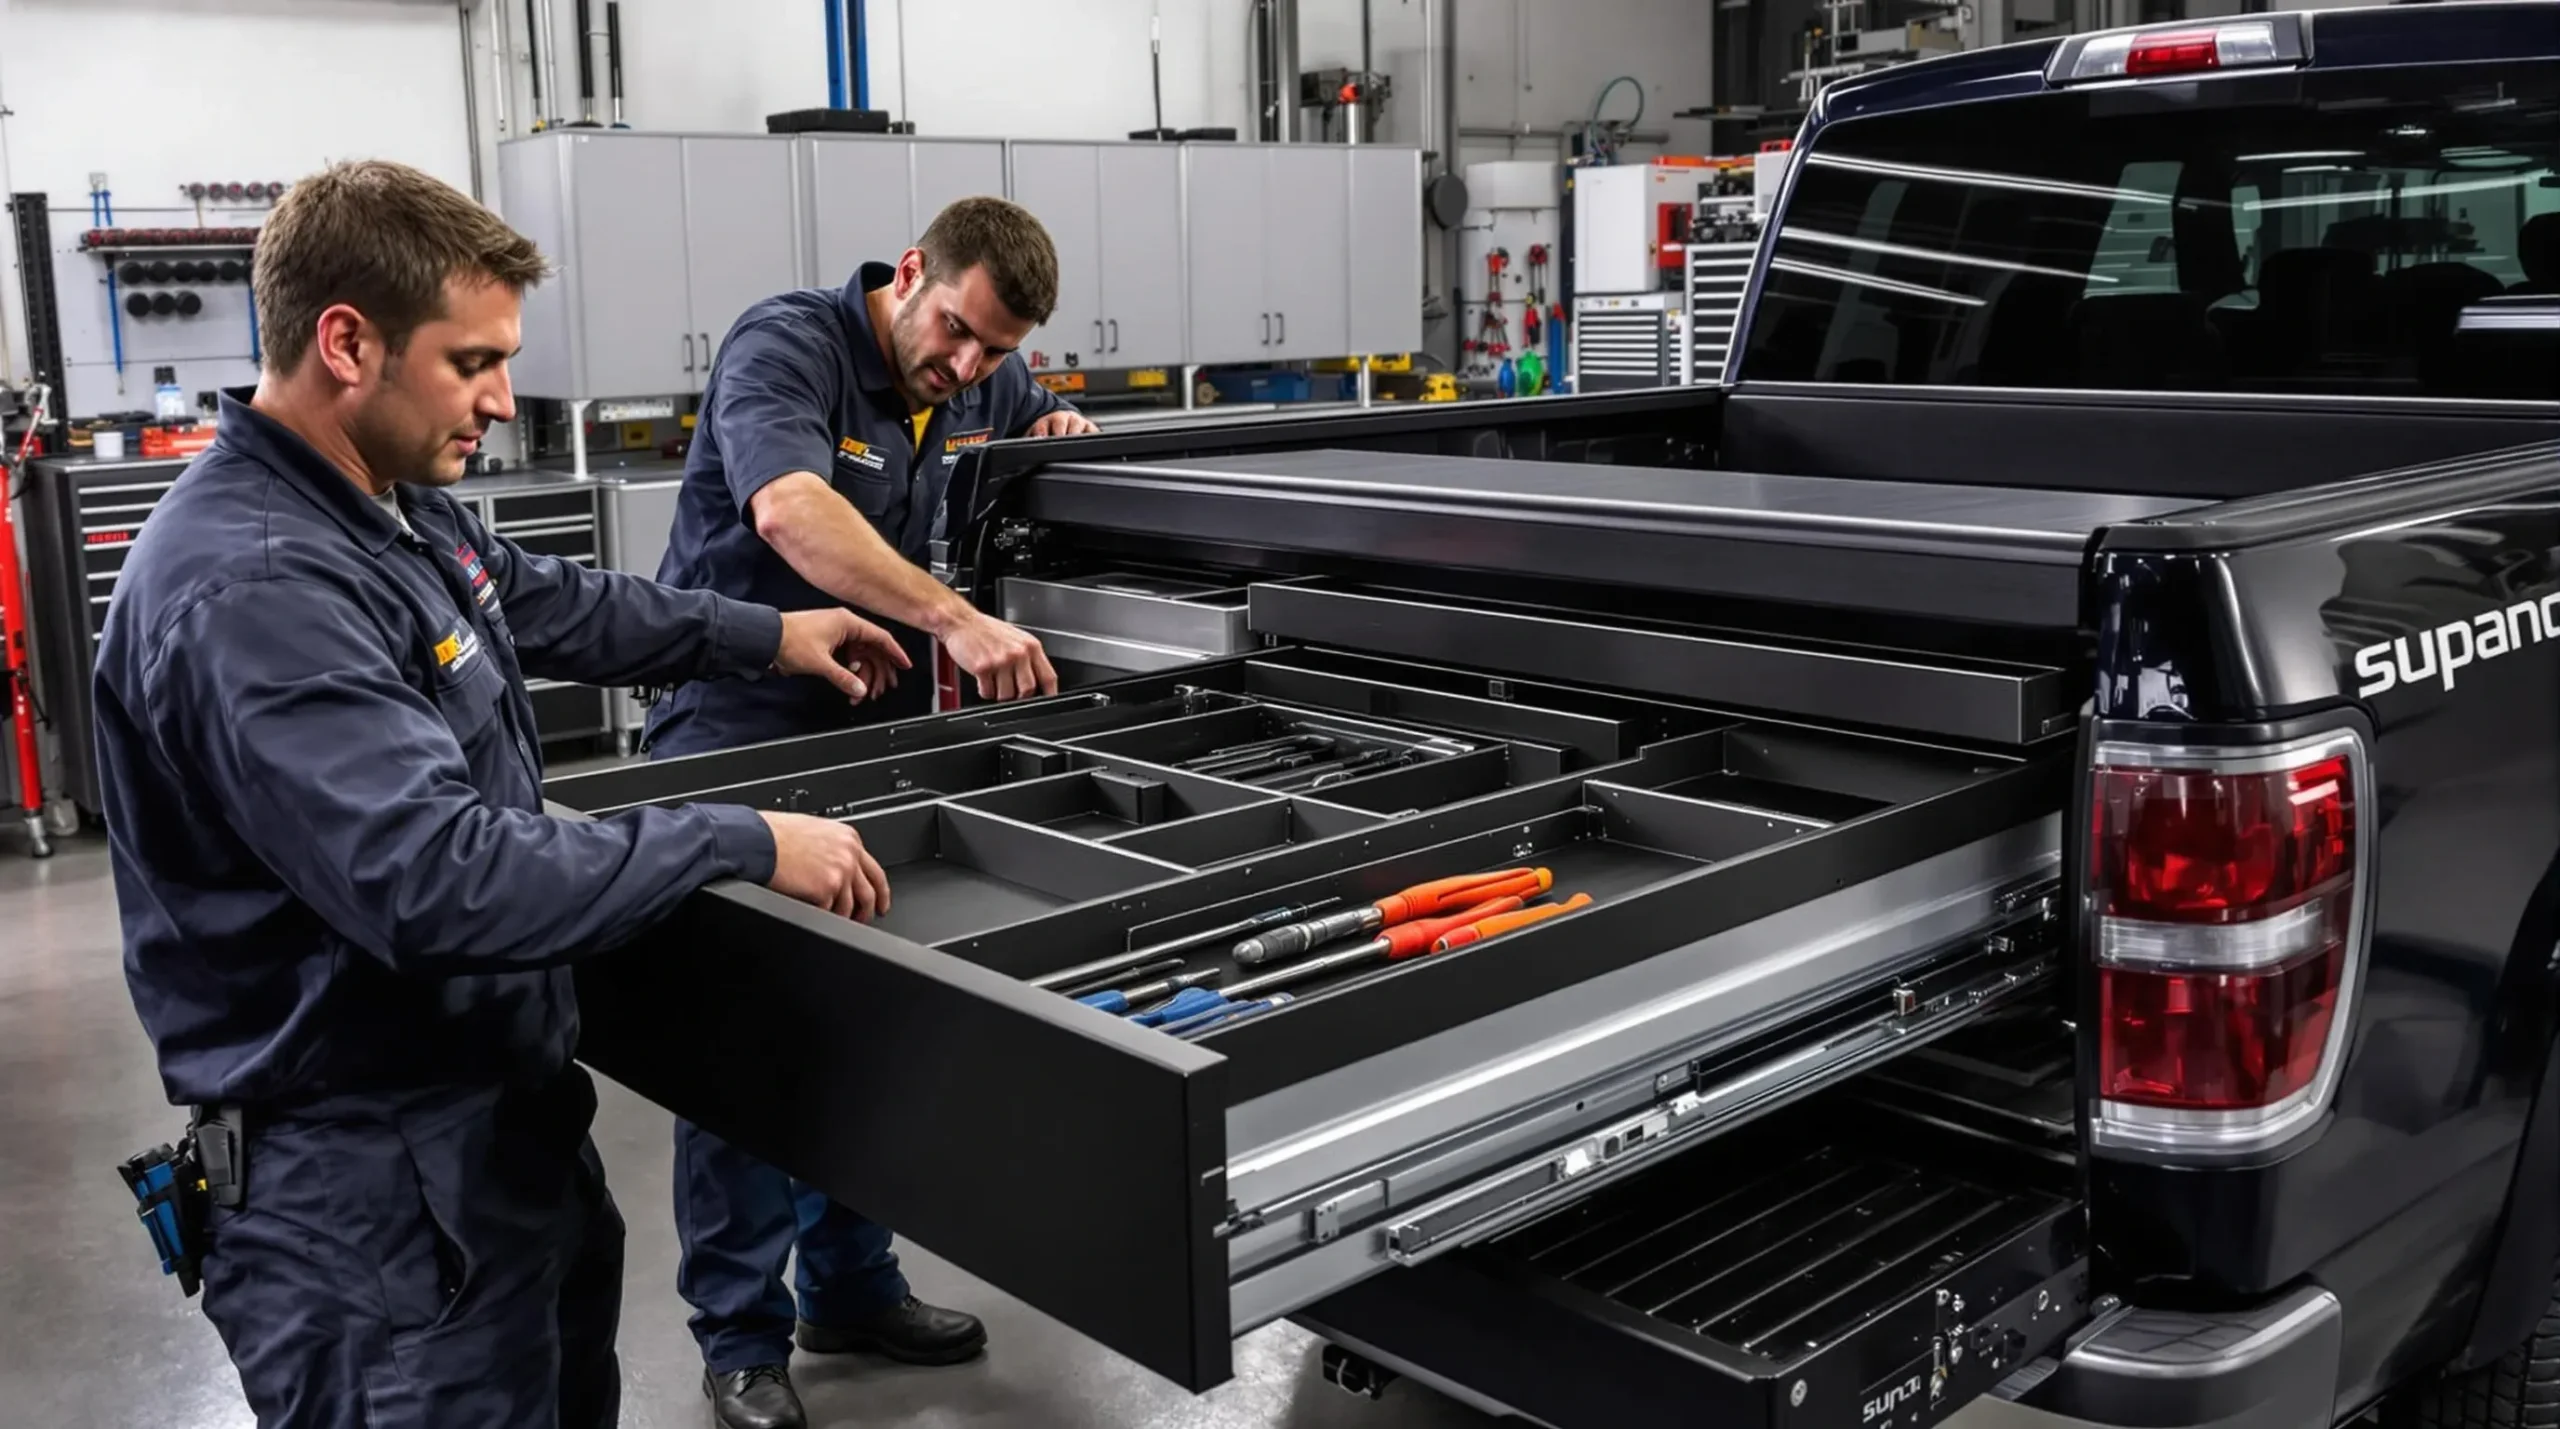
(862, 454)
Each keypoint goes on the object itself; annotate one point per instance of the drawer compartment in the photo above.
(1256, 829)
(1191, 620)
(1099, 803)
(784, 764)
(1833, 1266)
(1214, 1184)
(1984, 700)
(955, 871)
(1282, 750)
(899, 778)
(1591, 728)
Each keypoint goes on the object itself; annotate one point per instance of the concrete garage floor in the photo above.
(90, 1333)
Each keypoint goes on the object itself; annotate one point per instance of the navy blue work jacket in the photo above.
(800, 385)
(323, 790)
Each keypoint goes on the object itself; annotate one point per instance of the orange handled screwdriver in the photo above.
(1421, 901)
(1402, 941)
(1500, 924)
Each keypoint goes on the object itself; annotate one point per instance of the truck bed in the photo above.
(1808, 856)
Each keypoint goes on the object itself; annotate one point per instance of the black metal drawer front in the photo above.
(577, 545)
(510, 511)
(1983, 700)
(569, 712)
(1787, 1275)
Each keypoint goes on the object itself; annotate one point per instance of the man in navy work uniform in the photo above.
(826, 438)
(346, 915)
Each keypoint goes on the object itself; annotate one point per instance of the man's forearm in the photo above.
(833, 548)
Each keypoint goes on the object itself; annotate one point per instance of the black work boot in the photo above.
(910, 1332)
(757, 1397)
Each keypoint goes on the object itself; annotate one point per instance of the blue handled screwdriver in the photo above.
(1216, 1016)
(1190, 1002)
(1123, 998)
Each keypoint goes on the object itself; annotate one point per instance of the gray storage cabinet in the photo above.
(1299, 251)
(660, 240)
(639, 516)
(1115, 213)
(867, 198)
(1307, 267)
(1386, 250)
(1226, 237)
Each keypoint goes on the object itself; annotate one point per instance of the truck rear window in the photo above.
(2383, 232)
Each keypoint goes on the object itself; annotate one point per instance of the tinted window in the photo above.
(2353, 232)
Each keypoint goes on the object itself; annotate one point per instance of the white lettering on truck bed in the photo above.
(2439, 653)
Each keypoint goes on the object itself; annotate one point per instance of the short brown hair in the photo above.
(382, 238)
(1004, 237)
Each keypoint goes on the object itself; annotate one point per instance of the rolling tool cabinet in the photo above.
(82, 515)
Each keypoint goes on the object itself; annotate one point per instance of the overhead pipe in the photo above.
(613, 58)
(1273, 34)
(533, 48)
(1359, 106)
(550, 65)
(855, 22)
(502, 43)
(835, 53)
(470, 106)
(586, 20)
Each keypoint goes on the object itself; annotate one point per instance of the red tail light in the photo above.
(2223, 893)
(2173, 53)
(2253, 42)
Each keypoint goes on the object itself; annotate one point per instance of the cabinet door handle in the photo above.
(1266, 329)
(688, 352)
(706, 354)
(1097, 335)
(1115, 334)
(1284, 328)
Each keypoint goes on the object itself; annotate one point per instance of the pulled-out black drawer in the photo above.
(1837, 1265)
(1165, 1191)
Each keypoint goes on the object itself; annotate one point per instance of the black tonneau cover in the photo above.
(1993, 554)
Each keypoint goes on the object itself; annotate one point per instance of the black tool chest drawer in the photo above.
(1164, 1191)
(1843, 1266)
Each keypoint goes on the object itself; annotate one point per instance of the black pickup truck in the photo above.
(2064, 746)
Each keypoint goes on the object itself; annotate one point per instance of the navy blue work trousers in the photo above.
(739, 1220)
(430, 1259)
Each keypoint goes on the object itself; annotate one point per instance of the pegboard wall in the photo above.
(109, 351)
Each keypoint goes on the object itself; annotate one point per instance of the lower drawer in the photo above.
(1834, 1266)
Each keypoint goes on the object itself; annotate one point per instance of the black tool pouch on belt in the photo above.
(169, 1198)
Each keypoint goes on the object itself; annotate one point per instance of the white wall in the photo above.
(154, 93)
(157, 92)
(1079, 68)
